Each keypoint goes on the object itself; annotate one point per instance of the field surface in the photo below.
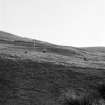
(41, 73)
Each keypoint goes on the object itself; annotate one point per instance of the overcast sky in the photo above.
(66, 22)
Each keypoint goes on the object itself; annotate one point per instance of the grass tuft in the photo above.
(80, 97)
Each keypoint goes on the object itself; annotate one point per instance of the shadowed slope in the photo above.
(24, 82)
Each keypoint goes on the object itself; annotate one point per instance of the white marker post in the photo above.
(34, 43)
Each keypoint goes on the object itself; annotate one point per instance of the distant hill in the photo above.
(20, 41)
(11, 37)
(68, 53)
(95, 49)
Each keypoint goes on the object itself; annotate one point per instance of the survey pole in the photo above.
(34, 43)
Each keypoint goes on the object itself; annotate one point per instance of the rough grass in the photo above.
(81, 97)
(24, 82)
(75, 76)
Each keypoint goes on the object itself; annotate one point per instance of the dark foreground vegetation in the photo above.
(24, 82)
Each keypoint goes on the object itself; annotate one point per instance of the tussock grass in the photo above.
(101, 89)
(81, 97)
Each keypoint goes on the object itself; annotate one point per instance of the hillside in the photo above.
(11, 37)
(45, 74)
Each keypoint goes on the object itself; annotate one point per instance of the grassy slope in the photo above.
(30, 77)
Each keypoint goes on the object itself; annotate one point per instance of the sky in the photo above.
(79, 23)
